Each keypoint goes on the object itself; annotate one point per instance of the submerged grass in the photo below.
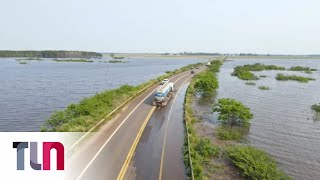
(29, 59)
(89, 111)
(251, 83)
(302, 79)
(264, 87)
(228, 133)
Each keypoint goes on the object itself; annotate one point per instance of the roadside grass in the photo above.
(264, 88)
(84, 115)
(302, 79)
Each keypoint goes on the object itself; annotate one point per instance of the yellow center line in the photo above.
(134, 145)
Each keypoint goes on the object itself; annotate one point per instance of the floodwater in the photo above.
(29, 93)
(283, 123)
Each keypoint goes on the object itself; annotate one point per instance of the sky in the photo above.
(150, 26)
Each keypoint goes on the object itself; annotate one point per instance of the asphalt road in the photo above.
(141, 139)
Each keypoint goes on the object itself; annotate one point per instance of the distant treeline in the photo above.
(50, 54)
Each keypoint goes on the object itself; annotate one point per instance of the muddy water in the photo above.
(283, 123)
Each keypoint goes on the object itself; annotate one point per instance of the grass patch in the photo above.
(255, 163)
(23, 62)
(73, 60)
(302, 79)
(251, 83)
(228, 133)
(89, 111)
(316, 107)
(264, 87)
(263, 76)
(118, 57)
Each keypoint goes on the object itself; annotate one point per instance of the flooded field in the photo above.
(284, 124)
(30, 92)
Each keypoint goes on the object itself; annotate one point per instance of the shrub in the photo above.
(255, 163)
(232, 112)
(316, 107)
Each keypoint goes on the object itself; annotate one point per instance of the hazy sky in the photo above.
(256, 26)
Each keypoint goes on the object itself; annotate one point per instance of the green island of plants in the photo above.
(316, 107)
(263, 76)
(73, 60)
(302, 79)
(89, 111)
(23, 62)
(243, 72)
(301, 68)
(255, 163)
(264, 88)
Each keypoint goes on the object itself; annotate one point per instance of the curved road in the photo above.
(141, 142)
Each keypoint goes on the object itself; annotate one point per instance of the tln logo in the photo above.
(47, 146)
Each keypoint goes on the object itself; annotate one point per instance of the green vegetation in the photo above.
(73, 60)
(23, 62)
(250, 83)
(118, 57)
(30, 59)
(316, 107)
(264, 87)
(207, 82)
(232, 112)
(51, 54)
(227, 133)
(255, 163)
(243, 72)
(117, 61)
(300, 68)
(84, 115)
(201, 149)
(263, 76)
(282, 77)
